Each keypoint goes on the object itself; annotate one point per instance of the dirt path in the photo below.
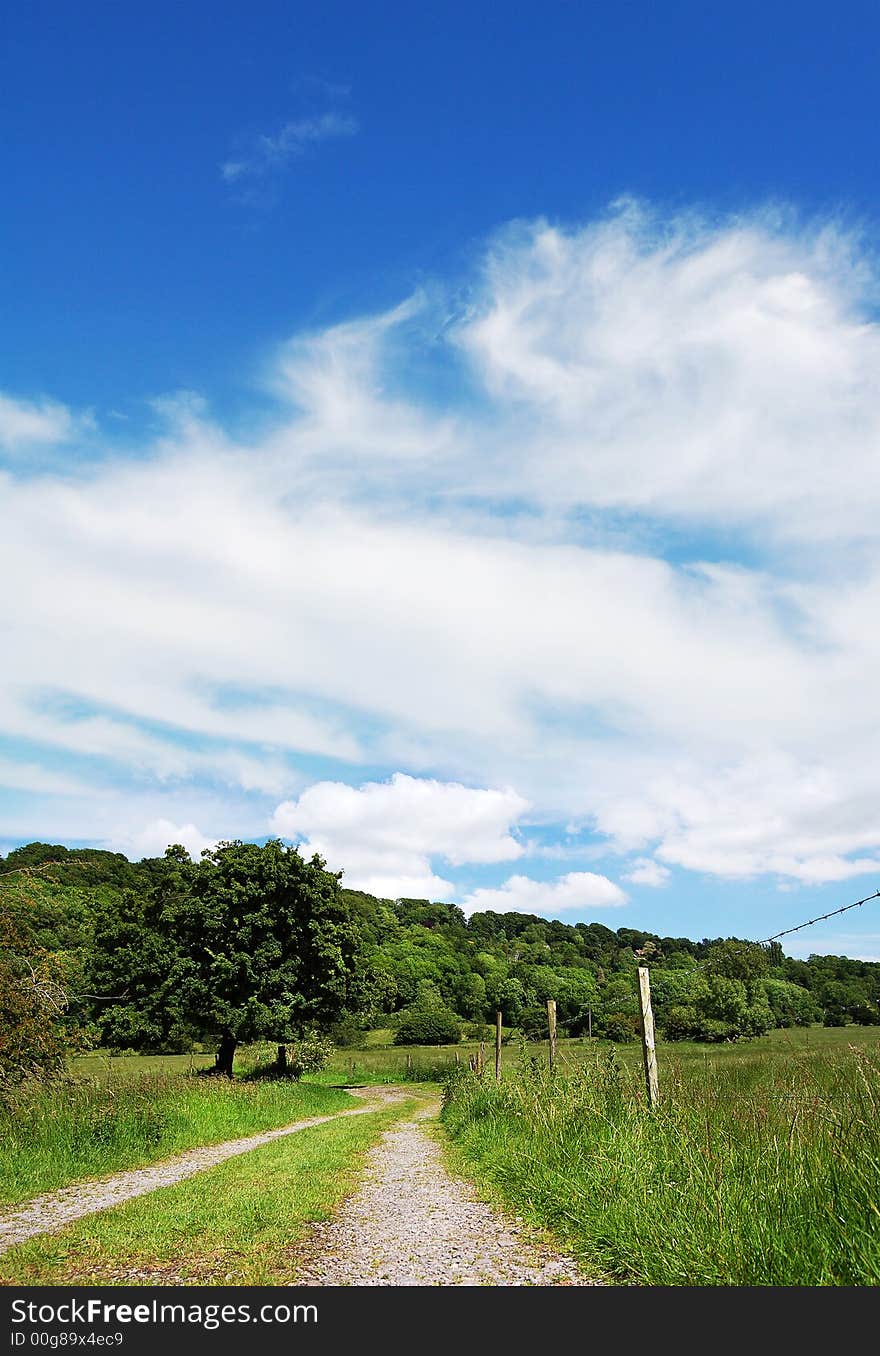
(45, 1214)
(412, 1223)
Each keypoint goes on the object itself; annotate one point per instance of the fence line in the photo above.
(765, 941)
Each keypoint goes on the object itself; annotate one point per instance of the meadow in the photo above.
(759, 1166)
(129, 1115)
(379, 1061)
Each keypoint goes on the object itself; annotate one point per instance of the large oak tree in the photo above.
(251, 943)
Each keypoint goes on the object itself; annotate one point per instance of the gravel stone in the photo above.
(412, 1223)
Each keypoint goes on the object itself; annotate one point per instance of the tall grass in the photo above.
(758, 1173)
(56, 1133)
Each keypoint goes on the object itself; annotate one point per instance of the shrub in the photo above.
(433, 1026)
(620, 1027)
(533, 1023)
(306, 1055)
(347, 1032)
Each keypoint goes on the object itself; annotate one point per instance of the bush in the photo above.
(433, 1026)
(533, 1024)
(479, 1031)
(306, 1055)
(347, 1032)
(620, 1027)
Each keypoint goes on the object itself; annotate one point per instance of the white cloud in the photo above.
(766, 815)
(155, 837)
(27, 776)
(364, 574)
(24, 424)
(384, 834)
(579, 890)
(717, 372)
(645, 871)
(272, 154)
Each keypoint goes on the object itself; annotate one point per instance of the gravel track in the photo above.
(412, 1223)
(48, 1213)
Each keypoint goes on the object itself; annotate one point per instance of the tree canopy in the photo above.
(254, 942)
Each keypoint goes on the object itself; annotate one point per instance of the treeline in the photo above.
(253, 942)
(427, 956)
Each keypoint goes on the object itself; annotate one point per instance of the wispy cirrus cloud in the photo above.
(269, 155)
(627, 574)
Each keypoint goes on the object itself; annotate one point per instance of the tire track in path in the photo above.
(52, 1211)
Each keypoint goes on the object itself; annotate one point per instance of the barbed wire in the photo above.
(821, 918)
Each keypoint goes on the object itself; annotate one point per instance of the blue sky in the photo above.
(449, 440)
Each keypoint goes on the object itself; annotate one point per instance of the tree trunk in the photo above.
(281, 1061)
(225, 1053)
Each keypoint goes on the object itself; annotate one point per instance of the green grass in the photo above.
(378, 1060)
(237, 1224)
(760, 1167)
(104, 1065)
(54, 1134)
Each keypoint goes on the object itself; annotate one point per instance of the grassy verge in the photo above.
(748, 1174)
(240, 1223)
(56, 1134)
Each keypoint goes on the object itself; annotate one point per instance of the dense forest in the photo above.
(253, 942)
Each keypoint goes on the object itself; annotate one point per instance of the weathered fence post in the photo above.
(551, 1023)
(409, 1064)
(498, 1046)
(481, 1058)
(646, 1022)
(589, 1023)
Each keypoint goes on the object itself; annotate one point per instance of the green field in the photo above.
(377, 1060)
(89, 1126)
(759, 1167)
(380, 1061)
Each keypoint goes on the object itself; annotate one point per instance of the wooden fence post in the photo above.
(646, 1022)
(589, 1023)
(481, 1058)
(551, 1023)
(498, 1046)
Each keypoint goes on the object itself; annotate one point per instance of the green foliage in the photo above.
(430, 1026)
(33, 1000)
(251, 943)
(620, 1027)
(349, 1031)
(37, 967)
(790, 1004)
(533, 1024)
(254, 943)
(307, 1055)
